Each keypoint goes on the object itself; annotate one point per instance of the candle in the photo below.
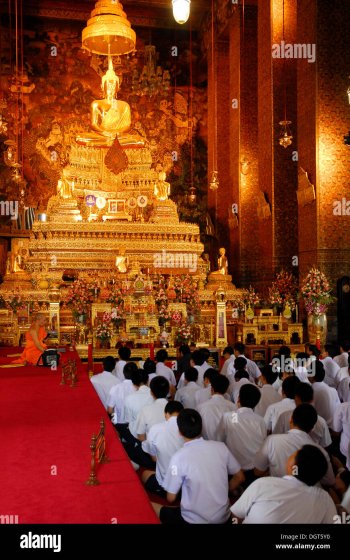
(296, 313)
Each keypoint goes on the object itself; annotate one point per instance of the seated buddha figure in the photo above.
(222, 263)
(110, 117)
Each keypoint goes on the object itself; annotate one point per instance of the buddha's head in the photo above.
(162, 176)
(222, 251)
(110, 81)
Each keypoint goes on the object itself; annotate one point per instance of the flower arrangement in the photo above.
(186, 290)
(238, 303)
(284, 290)
(250, 297)
(164, 313)
(183, 333)
(316, 292)
(15, 301)
(113, 295)
(79, 297)
(104, 331)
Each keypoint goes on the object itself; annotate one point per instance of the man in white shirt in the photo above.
(200, 469)
(206, 354)
(186, 395)
(294, 499)
(269, 395)
(117, 396)
(204, 394)
(330, 366)
(320, 432)
(137, 400)
(197, 360)
(150, 367)
(148, 416)
(243, 431)
(343, 358)
(163, 440)
(153, 413)
(229, 359)
(273, 411)
(165, 371)
(213, 410)
(276, 449)
(344, 389)
(326, 398)
(124, 354)
(241, 378)
(104, 381)
(252, 369)
(341, 425)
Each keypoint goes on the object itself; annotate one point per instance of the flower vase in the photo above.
(317, 328)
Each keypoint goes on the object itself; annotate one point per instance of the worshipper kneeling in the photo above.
(35, 346)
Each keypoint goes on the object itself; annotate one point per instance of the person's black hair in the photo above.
(318, 371)
(144, 376)
(241, 374)
(269, 373)
(315, 351)
(289, 386)
(249, 395)
(331, 350)
(184, 349)
(240, 363)
(128, 369)
(345, 345)
(345, 476)
(304, 417)
(124, 353)
(305, 392)
(302, 356)
(161, 355)
(191, 374)
(220, 384)
(108, 363)
(172, 407)
(284, 351)
(159, 387)
(137, 377)
(228, 350)
(198, 357)
(311, 465)
(189, 422)
(150, 366)
(239, 347)
(206, 353)
(209, 373)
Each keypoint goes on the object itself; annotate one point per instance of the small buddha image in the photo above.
(162, 187)
(65, 186)
(18, 262)
(222, 263)
(122, 261)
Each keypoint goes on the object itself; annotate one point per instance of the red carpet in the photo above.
(47, 428)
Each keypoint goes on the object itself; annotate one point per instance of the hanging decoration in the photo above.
(285, 136)
(214, 181)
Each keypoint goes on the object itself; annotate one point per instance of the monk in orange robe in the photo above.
(34, 342)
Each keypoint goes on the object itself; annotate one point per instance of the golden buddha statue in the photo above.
(65, 187)
(222, 263)
(110, 117)
(121, 261)
(161, 187)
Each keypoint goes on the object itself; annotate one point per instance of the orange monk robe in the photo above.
(31, 353)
